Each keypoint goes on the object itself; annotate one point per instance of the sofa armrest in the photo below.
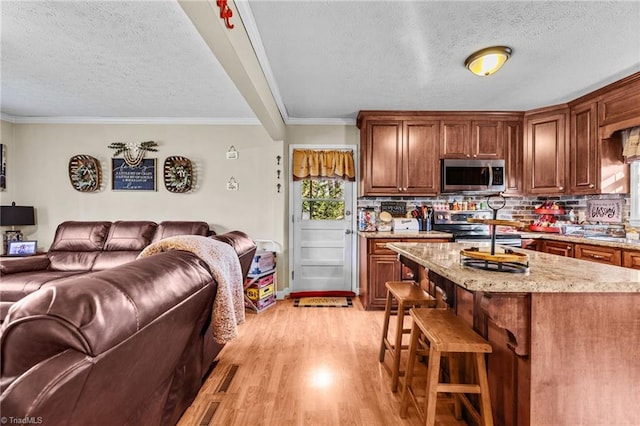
(244, 246)
(14, 265)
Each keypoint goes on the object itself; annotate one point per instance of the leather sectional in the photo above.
(105, 340)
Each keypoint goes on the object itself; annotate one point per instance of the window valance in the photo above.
(308, 163)
(631, 144)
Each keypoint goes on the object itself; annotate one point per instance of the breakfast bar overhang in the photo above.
(565, 334)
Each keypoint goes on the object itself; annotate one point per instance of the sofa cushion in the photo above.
(77, 261)
(130, 235)
(80, 236)
(111, 259)
(172, 228)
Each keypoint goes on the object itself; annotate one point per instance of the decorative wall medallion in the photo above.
(178, 174)
(85, 173)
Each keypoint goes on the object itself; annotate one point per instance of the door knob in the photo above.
(347, 231)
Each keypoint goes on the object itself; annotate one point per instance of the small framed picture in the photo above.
(21, 248)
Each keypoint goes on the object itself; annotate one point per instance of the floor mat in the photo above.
(323, 302)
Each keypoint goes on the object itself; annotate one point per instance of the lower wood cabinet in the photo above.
(378, 264)
(631, 259)
(559, 248)
(594, 253)
(601, 254)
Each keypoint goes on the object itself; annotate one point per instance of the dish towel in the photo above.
(222, 259)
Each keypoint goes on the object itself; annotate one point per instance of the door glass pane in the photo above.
(322, 199)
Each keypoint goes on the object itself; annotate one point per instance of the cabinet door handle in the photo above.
(592, 186)
(561, 188)
(569, 248)
(597, 256)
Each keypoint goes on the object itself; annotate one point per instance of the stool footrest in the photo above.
(458, 388)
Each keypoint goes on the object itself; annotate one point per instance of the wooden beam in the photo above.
(234, 51)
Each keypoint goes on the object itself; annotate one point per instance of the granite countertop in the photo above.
(404, 234)
(547, 273)
(615, 243)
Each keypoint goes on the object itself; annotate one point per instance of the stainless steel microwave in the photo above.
(478, 176)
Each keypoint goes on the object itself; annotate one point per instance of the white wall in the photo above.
(39, 155)
(39, 161)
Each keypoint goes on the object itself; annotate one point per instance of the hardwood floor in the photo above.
(303, 366)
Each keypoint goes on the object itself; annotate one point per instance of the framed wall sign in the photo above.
(137, 178)
(605, 210)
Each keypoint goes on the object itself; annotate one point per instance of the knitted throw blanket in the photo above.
(222, 259)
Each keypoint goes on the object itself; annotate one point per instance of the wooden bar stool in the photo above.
(447, 333)
(408, 294)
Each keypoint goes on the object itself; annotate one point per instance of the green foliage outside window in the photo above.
(322, 199)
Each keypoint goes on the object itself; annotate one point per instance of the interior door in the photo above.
(322, 235)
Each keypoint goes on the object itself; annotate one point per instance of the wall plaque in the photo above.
(138, 178)
(609, 211)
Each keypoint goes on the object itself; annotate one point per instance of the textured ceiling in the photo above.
(110, 59)
(331, 59)
(326, 60)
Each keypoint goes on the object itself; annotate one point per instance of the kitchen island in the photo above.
(565, 334)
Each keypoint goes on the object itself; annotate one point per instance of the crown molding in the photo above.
(134, 120)
(321, 122)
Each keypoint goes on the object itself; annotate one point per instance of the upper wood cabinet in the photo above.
(487, 139)
(456, 139)
(596, 165)
(618, 105)
(513, 156)
(399, 157)
(545, 146)
(472, 139)
(583, 148)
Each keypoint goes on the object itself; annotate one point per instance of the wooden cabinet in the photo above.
(631, 259)
(559, 248)
(400, 157)
(601, 254)
(596, 165)
(546, 137)
(487, 139)
(477, 139)
(456, 139)
(513, 157)
(619, 105)
(583, 149)
(378, 264)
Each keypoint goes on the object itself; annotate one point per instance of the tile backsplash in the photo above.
(516, 208)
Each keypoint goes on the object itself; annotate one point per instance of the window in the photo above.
(322, 199)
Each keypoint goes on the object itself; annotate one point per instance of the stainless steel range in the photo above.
(455, 222)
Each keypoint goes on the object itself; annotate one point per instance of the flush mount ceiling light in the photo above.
(487, 61)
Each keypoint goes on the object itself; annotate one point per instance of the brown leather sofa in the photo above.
(106, 341)
(83, 247)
